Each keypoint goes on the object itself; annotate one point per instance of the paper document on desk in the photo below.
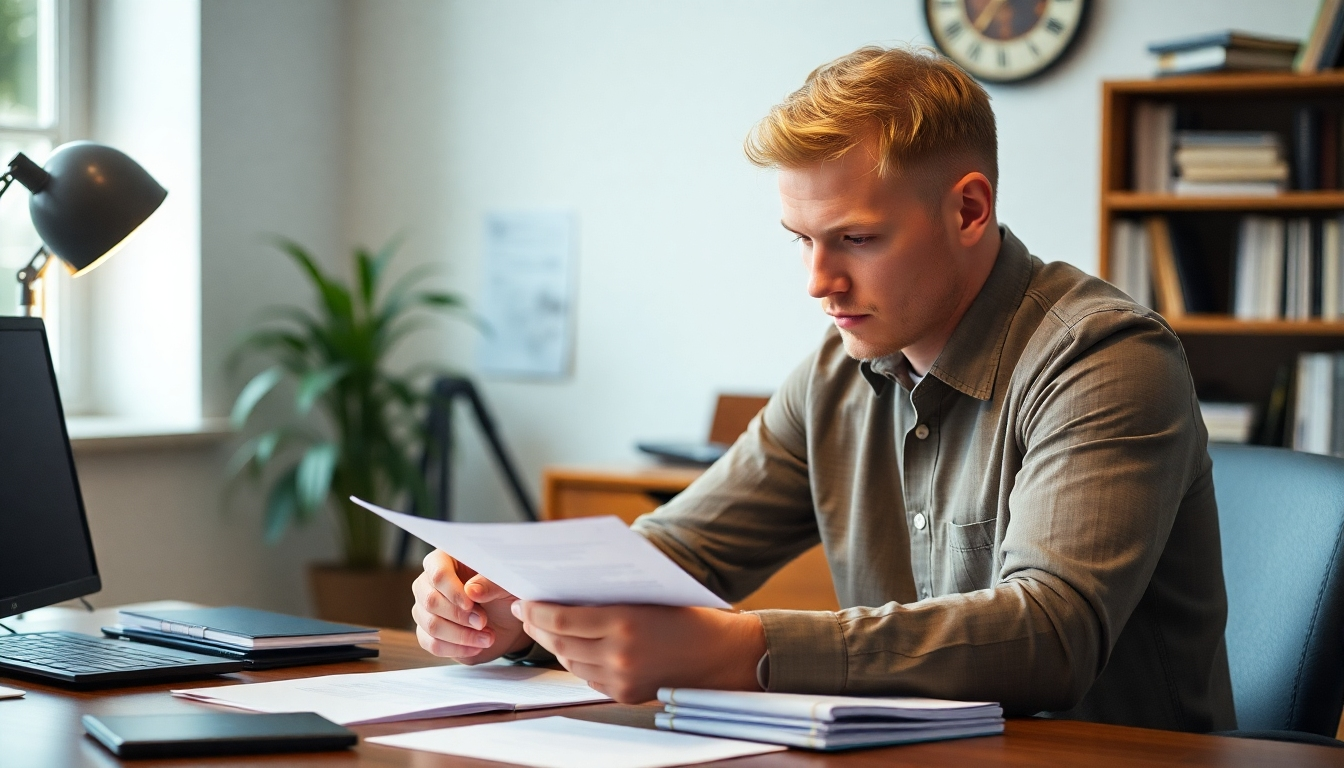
(406, 694)
(563, 742)
(583, 561)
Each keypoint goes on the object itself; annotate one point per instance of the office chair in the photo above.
(1282, 519)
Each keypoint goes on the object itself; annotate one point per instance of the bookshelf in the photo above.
(1230, 359)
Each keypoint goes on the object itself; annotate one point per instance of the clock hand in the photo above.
(987, 14)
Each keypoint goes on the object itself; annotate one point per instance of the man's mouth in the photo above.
(845, 320)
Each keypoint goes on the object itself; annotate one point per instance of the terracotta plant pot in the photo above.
(374, 597)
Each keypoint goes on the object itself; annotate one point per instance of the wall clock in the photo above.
(1005, 41)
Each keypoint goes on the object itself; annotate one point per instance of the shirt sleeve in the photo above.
(1110, 443)
(751, 512)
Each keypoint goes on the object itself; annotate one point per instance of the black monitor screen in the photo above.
(46, 554)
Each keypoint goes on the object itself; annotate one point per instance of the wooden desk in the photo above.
(804, 584)
(43, 731)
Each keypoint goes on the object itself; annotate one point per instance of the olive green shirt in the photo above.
(1032, 523)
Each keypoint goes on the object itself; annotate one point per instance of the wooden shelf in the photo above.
(1224, 325)
(1286, 201)
(1239, 84)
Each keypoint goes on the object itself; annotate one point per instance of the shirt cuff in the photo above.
(805, 652)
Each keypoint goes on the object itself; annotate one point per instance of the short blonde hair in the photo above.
(916, 104)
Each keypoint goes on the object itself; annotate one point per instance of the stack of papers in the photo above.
(407, 694)
(562, 742)
(824, 722)
(247, 628)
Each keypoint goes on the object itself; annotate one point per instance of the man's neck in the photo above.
(922, 354)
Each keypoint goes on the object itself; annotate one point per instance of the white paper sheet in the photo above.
(527, 300)
(584, 561)
(563, 742)
(407, 694)
(10, 693)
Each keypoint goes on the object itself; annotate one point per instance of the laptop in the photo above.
(46, 553)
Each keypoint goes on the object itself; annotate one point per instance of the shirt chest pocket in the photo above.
(968, 557)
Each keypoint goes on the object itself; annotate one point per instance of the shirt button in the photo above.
(920, 521)
(922, 431)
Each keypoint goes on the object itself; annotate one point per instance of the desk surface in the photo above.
(43, 730)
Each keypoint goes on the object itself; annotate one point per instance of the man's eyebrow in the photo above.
(844, 226)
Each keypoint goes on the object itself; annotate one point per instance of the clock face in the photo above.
(1003, 41)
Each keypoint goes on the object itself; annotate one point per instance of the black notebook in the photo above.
(248, 627)
(216, 733)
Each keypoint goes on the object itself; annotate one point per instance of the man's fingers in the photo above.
(440, 628)
(443, 649)
(568, 620)
(435, 602)
(483, 590)
(579, 649)
(442, 573)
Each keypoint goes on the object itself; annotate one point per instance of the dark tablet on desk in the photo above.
(216, 733)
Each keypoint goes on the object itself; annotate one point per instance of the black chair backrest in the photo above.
(1282, 519)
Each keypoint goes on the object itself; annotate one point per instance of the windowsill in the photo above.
(99, 434)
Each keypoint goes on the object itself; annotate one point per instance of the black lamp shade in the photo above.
(95, 198)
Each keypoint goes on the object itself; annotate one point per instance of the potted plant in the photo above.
(355, 429)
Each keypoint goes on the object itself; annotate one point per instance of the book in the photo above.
(1226, 172)
(1329, 151)
(1217, 155)
(1226, 188)
(266, 658)
(1313, 402)
(1228, 422)
(1154, 125)
(1306, 148)
(1167, 291)
(1196, 287)
(1326, 26)
(248, 627)
(824, 722)
(1218, 59)
(1228, 38)
(1130, 261)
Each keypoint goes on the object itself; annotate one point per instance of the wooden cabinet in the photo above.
(804, 584)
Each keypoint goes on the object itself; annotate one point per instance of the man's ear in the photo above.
(971, 204)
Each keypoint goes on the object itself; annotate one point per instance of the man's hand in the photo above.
(628, 652)
(462, 615)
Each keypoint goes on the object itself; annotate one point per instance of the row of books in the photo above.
(1159, 266)
(1289, 269)
(1325, 45)
(1168, 157)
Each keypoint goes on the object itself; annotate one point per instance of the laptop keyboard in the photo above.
(81, 654)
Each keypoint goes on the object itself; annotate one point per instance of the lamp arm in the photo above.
(7, 179)
(29, 275)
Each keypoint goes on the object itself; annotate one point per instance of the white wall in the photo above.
(144, 341)
(633, 115)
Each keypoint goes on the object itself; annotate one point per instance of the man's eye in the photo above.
(802, 239)
(858, 239)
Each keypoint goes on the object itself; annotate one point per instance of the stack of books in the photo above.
(1229, 163)
(261, 639)
(824, 722)
(1226, 51)
(1289, 269)
(1228, 422)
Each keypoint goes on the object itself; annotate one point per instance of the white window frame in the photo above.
(62, 117)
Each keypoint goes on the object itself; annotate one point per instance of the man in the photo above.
(1003, 458)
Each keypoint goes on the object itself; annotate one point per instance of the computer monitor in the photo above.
(46, 553)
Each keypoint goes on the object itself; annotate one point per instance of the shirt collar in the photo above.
(969, 362)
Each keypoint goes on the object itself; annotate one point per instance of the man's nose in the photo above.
(825, 276)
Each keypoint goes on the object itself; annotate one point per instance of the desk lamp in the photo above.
(86, 203)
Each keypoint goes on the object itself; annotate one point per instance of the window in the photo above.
(36, 111)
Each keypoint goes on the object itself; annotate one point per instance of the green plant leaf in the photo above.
(254, 453)
(281, 505)
(367, 270)
(335, 297)
(313, 476)
(252, 393)
(439, 299)
(316, 384)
